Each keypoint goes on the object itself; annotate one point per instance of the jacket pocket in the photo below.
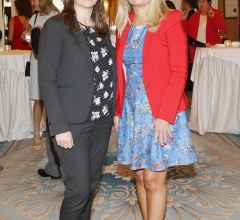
(66, 86)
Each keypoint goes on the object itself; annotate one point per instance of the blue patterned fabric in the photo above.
(135, 138)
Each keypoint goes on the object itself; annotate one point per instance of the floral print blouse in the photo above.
(102, 62)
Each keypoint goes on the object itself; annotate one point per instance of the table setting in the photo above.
(216, 91)
(16, 119)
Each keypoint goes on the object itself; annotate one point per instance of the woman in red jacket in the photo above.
(150, 117)
(204, 25)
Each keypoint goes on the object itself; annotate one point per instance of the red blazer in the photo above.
(213, 24)
(165, 59)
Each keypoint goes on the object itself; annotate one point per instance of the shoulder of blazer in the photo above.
(56, 22)
(172, 18)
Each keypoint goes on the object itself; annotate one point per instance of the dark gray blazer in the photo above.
(65, 74)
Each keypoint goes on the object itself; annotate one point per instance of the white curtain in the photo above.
(215, 3)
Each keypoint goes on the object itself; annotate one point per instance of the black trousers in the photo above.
(82, 166)
(53, 165)
(189, 85)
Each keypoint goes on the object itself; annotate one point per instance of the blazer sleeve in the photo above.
(118, 105)
(194, 42)
(178, 59)
(217, 21)
(50, 51)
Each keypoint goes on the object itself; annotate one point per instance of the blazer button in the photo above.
(49, 123)
(147, 84)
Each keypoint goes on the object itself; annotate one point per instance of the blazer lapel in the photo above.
(120, 51)
(146, 42)
(82, 42)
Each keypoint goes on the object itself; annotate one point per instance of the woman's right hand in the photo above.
(115, 120)
(162, 131)
(65, 140)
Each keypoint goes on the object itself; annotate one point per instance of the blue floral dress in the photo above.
(135, 138)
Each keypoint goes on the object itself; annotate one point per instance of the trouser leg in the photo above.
(82, 167)
(99, 144)
(53, 165)
(189, 84)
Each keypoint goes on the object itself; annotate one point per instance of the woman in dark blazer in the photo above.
(77, 77)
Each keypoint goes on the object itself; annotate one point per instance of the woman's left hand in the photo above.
(115, 120)
(208, 44)
(162, 130)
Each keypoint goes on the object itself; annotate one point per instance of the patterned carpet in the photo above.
(206, 191)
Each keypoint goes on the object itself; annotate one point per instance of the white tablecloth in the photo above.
(216, 91)
(16, 120)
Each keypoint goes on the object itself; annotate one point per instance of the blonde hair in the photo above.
(157, 10)
(46, 6)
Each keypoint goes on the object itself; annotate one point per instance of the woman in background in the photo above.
(151, 118)
(46, 9)
(203, 25)
(202, 28)
(18, 23)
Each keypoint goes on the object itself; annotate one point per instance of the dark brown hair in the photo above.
(98, 16)
(46, 6)
(24, 8)
(192, 3)
(170, 4)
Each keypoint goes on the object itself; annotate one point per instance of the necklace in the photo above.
(201, 21)
(138, 26)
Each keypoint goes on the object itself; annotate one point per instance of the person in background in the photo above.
(17, 24)
(201, 28)
(52, 168)
(150, 117)
(77, 77)
(203, 25)
(46, 9)
(170, 4)
(188, 6)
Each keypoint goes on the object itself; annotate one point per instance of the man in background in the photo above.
(188, 5)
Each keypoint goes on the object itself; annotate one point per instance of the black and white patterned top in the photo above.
(102, 62)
